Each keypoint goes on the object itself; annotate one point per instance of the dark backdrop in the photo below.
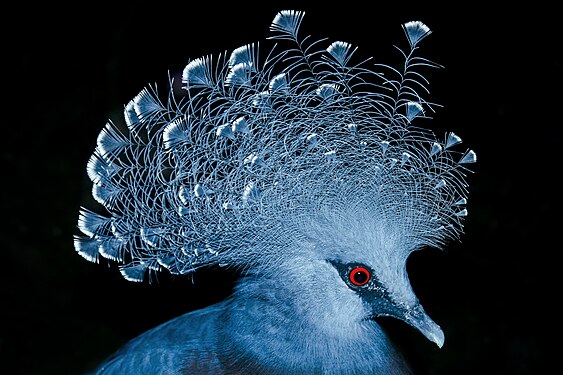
(71, 68)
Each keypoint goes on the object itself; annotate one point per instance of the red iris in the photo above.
(359, 276)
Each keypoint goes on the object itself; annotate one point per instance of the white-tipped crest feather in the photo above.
(260, 155)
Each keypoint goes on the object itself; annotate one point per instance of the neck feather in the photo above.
(270, 328)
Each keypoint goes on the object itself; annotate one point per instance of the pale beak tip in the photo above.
(439, 338)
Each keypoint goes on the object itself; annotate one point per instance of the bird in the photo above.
(303, 169)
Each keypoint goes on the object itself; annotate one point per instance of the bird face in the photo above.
(365, 256)
(382, 300)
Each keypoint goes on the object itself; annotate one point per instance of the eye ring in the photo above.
(359, 276)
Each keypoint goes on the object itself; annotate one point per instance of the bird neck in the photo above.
(270, 327)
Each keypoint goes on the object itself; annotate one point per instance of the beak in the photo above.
(418, 319)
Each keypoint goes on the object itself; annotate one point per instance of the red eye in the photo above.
(359, 276)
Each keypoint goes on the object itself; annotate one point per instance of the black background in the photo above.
(71, 68)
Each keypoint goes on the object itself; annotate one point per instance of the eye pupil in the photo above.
(359, 276)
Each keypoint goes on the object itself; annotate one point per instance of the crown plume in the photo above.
(260, 155)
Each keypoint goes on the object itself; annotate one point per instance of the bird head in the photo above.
(349, 269)
(371, 263)
(298, 160)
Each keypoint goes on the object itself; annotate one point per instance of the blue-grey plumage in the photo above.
(302, 172)
(276, 322)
